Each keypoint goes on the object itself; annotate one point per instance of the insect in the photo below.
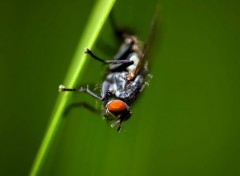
(126, 77)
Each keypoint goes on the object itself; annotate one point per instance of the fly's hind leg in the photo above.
(88, 51)
(119, 31)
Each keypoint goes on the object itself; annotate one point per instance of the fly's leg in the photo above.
(119, 123)
(88, 51)
(104, 91)
(62, 88)
(105, 88)
(119, 127)
(124, 51)
(120, 32)
(82, 104)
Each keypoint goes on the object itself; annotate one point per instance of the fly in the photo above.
(126, 77)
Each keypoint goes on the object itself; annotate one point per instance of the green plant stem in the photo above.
(98, 17)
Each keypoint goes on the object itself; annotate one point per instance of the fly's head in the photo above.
(118, 111)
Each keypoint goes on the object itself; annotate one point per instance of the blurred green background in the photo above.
(185, 123)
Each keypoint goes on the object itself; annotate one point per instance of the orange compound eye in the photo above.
(116, 106)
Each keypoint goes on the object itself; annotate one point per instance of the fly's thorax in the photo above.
(117, 81)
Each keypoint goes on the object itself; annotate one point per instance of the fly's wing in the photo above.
(150, 40)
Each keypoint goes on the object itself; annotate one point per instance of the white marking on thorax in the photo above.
(134, 57)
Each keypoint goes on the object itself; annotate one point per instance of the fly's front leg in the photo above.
(87, 51)
(62, 88)
(105, 88)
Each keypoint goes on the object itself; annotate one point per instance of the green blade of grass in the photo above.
(98, 17)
